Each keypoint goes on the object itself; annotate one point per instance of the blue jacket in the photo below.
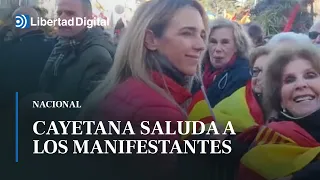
(232, 78)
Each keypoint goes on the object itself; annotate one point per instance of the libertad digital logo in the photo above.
(25, 21)
(22, 21)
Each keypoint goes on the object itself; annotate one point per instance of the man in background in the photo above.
(23, 59)
(27, 54)
(80, 59)
(256, 33)
(21, 63)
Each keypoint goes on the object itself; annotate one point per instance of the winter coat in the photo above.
(221, 83)
(134, 101)
(73, 71)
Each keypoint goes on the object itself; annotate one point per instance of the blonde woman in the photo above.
(225, 70)
(225, 66)
(292, 142)
(159, 52)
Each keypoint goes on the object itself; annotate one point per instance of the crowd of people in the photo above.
(171, 63)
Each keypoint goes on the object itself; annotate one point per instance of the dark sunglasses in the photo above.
(313, 34)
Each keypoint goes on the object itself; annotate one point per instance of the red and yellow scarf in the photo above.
(241, 108)
(279, 149)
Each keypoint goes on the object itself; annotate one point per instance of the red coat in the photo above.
(134, 101)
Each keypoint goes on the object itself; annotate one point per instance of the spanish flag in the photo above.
(228, 16)
(245, 19)
(99, 6)
(279, 150)
(241, 109)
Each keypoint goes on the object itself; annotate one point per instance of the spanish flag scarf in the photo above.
(279, 150)
(241, 108)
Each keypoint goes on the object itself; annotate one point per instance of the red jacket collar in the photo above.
(179, 93)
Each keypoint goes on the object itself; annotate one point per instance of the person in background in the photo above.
(27, 54)
(23, 59)
(292, 89)
(225, 66)
(157, 54)
(4, 29)
(78, 62)
(226, 69)
(118, 30)
(21, 63)
(256, 33)
(244, 107)
(314, 33)
(9, 36)
(80, 59)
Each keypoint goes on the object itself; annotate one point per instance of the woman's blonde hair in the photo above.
(257, 52)
(278, 60)
(241, 38)
(132, 58)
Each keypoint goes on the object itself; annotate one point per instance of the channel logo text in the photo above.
(25, 21)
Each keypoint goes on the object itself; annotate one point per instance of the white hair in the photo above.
(315, 26)
(32, 12)
(288, 36)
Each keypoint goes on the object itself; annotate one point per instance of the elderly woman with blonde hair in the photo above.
(292, 140)
(225, 67)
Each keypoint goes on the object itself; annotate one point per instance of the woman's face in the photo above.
(221, 47)
(184, 40)
(257, 71)
(300, 90)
